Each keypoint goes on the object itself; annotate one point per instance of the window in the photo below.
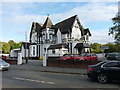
(33, 50)
(50, 37)
(53, 51)
(87, 38)
(111, 64)
(43, 37)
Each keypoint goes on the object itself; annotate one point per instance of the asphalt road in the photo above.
(32, 79)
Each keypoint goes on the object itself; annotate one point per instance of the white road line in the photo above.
(42, 81)
(19, 78)
(26, 79)
(37, 81)
(50, 82)
(30, 80)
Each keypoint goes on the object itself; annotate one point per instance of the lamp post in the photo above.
(26, 47)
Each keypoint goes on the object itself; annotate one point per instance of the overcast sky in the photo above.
(17, 17)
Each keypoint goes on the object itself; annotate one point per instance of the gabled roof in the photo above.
(83, 45)
(87, 31)
(37, 27)
(48, 23)
(65, 25)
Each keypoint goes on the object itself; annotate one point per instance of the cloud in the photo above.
(87, 13)
(101, 36)
(26, 19)
(59, 0)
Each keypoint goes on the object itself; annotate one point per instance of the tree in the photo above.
(1, 44)
(11, 42)
(112, 47)
(6, 48)
(95, 47)
(115, 30)
(16, 45)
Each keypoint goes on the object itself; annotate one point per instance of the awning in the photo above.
(82, 45)
(58, 46)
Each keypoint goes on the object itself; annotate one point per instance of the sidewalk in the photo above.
(36, 65)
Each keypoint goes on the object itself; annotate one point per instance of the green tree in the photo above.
(95, 47)
(11, 42)
(16, 45)
(117, 47)
(1, 44)
(111, 46)
(115, 29)
(6, 48)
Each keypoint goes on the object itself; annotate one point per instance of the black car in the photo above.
(113, 56)
(104, 71)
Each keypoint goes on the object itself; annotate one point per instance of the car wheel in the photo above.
(102, 78)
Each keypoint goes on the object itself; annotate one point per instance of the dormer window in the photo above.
(43, 37)
(87, 38)
(50, 37)
(76, 26)
(33, 31)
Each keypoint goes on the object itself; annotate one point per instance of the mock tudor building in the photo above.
(67, 36)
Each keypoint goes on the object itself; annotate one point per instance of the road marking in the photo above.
(50, 82)
(31, 80)
(19, 78)
(37, 81)
(42, 81)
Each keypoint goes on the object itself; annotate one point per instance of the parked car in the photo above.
(86, 56)
(4, 65)
(104, 71)
(3, 57)
(71, 57)
(113, 56)
(89, 56)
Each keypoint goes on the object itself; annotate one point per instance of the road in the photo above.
(32, 79)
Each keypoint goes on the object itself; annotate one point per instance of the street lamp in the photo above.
(26, 47)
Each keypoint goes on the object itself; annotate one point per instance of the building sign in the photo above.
(104, 47)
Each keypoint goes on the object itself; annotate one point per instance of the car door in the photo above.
(119, 71)
(112, 70)
(93, 57)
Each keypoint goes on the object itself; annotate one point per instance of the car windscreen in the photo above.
(82, 55)
(1, 60)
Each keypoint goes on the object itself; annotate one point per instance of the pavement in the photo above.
(36, 65)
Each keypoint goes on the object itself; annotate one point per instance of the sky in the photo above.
(17, 16)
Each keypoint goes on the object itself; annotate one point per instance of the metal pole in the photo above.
(26, 47)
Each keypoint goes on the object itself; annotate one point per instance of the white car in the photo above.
(4, 65)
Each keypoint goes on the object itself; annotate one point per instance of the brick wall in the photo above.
(70, 63)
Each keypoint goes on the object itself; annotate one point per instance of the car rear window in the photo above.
(111, 64)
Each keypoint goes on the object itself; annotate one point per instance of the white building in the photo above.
(67, 36)
(24, 50)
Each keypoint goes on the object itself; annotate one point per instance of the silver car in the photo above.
(4, 65)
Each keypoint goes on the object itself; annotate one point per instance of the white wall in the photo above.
(25, 52)
(59, 39)
(76, 32)
(34, 37)
(5, 55)
(14, 53)
(58, 52)
(64, 36)
(74, 50)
